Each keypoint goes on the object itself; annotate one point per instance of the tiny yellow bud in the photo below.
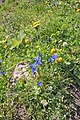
(46, 2)
(37, 46)
(53, 51)
(26, 41)
(5, 46)
(60, 59)
(78, 10)
(77, 59)
(60, 50)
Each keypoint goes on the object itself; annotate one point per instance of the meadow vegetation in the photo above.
(43, 35)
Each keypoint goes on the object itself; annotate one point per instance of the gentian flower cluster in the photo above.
(38, 62)
(33, 67)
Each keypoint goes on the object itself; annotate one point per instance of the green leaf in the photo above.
(21, 35)
(3, 41)
(67, 63)
(15, 43)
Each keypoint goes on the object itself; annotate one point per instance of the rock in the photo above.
(2, 1)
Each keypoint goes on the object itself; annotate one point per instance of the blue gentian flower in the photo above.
(54, 57)
(32, 65)
(3, 73)
(0, 61)
(40, 54)
(39, 84)
(38, 61)
(56, 2)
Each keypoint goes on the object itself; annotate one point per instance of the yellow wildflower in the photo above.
(78, 60)
(37, 22)
(47, 2)
(60, 50)
(78, 10)
(5, 46)
(37, 46)
(26, 41)
(53, 51)
(60, 59)
(36, 25)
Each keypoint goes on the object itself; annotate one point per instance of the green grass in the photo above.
(58, 24)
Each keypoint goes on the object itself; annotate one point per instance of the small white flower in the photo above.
(64, 44)
(44, 102)
(50, 88)
(12, 103)
(60, 41)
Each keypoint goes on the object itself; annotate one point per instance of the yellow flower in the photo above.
(53, 51)
(60, 59)
(36, 25)
(78, 60)
(47, 2)
(60, 50)
(37, 46)
(78, 10)
(26, 41)
(5, 46)
(37, 22)
(44, 102)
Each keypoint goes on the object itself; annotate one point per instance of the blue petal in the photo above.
(56, 2)
(33, 69)
(39, 84)
(51, 60)
(39, 62)
(3, 73)
(54, 57)
(34, 72)
(36, 59)
(0, 61)
(40, 54)
(32, 65)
